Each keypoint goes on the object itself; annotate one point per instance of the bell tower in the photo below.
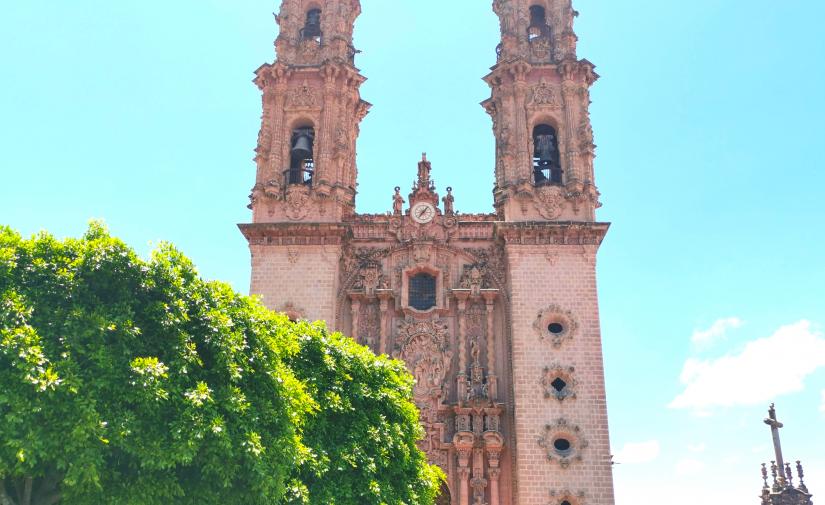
(311, 115)
(495, 314)
(539, 105)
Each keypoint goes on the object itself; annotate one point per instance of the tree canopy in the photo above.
(126, 381)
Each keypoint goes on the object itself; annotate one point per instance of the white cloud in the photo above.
(717, 331)
(698, 448)
(634, 454)
(765, 369)
(688, 467)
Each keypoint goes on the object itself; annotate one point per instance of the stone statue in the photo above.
(397, 202)
(449, 202)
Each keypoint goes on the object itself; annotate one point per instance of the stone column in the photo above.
(464, 486)
(495, 474)
(492, 380)
(279, 140)
(461, 378)
(385, 321)
(356, 311)
(326, 130)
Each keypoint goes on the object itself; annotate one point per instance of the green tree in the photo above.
(132, 382)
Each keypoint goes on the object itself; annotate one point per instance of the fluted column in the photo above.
(461, 378)
(492, 379)
(385, 321)
(356, 311)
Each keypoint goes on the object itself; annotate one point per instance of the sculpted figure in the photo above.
(397, 202)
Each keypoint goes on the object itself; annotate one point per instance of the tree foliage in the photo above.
(133, 382)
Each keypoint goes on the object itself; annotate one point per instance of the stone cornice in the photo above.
(552, 233)
(295, 233)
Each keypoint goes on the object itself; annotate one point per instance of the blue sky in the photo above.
(709, 121)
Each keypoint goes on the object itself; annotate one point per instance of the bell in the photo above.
(302, 148)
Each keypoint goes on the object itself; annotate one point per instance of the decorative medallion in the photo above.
(556, 324)
(557, 382)
(560, 497)
(563, 442)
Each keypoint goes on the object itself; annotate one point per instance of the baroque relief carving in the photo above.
(544, 94)
(555, 324)
(549, 201)
(297, 198)
(425, 348)
(563, 442)
(303, 96)
(558, 497)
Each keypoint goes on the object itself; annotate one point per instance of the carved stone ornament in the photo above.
(303, 96)
(555, 324)
(424, 347)
(549, 201)
(558, 497)
(558, 382)
(545, 95)
(563, 442)
(297, 198)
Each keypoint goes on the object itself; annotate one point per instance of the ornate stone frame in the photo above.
(555, 314)
(557, 497)
(440, 300)
(563, 429)
(565, 373)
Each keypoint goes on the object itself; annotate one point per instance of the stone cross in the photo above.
(777, 445)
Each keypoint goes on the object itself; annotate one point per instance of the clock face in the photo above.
(423, 212)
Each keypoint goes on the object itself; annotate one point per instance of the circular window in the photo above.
(562, 446)
(555, 328)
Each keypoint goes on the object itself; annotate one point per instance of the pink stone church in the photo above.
(495, 314)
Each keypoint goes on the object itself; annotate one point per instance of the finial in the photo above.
(778, 479)
(789, 474)
(423, 156)
(765, 476)
(801, 473)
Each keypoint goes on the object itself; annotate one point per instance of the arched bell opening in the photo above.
(312, 26)
(302, 151)
(546, 157)
(538, 23)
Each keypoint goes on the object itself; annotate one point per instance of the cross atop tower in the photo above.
(777, 443)
(782, 492)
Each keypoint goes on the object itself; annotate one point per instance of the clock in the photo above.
(423, 212)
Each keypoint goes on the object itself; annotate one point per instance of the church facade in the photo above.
(496, 315)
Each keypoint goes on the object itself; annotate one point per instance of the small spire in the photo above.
(765, 476)
(424, 157)
(789, 474)
(776, 485)
(801, 473)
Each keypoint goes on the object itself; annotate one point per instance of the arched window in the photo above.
(301, 165)
(422, 291)
(312, 27)
(546, 157)
(538, 23)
